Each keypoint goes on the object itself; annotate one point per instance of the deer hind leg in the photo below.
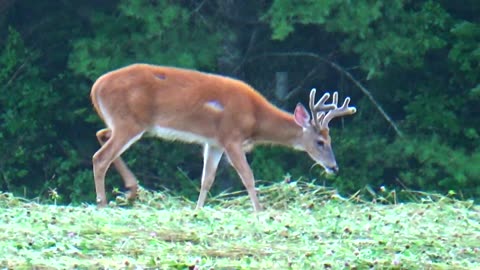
(239, 161)
(211, 158)
(110, 151)
(128, 177)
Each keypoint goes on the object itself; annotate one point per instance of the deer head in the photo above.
(315, 138)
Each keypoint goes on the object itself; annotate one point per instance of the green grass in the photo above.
(304, 227)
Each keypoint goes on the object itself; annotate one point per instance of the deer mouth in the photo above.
(330, 169)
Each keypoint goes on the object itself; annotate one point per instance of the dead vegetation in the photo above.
(304, 227)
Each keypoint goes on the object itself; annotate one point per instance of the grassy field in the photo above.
(304, 227)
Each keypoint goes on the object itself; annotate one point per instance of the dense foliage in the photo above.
(411, 67)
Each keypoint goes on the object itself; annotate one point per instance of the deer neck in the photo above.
(278, 127)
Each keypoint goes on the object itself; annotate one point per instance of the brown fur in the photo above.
(139, 98)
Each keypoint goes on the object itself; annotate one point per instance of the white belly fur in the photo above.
(175, 135)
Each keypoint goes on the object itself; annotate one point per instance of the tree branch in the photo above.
(251, 43)
(342, 70)
(299, 87)
(15, 74)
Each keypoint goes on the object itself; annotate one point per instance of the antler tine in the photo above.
(335, 98)
(313, 109)
(319, 109)
(320, 105)
(312, 102)
(337, 112)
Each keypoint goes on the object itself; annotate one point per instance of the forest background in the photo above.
(412, 69)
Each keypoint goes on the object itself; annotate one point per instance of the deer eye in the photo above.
(320, 143)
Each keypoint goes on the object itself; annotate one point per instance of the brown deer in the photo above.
(225, 115)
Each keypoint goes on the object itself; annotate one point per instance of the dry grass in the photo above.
(304, 227)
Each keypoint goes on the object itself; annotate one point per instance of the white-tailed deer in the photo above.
(224, 114)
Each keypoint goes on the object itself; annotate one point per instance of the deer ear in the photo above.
(301, 116)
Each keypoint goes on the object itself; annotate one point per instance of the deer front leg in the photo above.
(239, 161)
(211, 158)
(128, 177)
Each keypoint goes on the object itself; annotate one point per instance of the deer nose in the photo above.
(332, 169)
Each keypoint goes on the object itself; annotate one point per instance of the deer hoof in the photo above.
(132, 193)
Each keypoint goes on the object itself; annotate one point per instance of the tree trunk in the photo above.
(281, 85)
